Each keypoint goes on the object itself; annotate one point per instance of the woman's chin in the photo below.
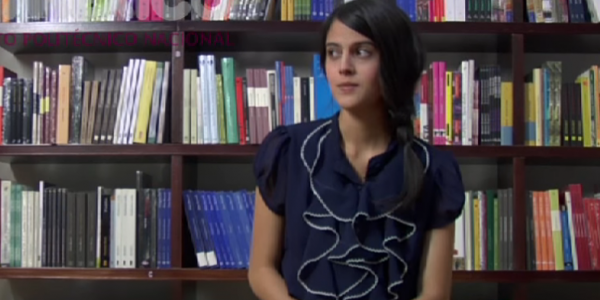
(349, 102)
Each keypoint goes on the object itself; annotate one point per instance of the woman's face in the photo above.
(352, 68)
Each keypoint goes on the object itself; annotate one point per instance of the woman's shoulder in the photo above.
(436, 160)
(286, 139)
(273, 163)
(445, 183)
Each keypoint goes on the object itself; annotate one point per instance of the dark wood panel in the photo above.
(26, 38)
(177, 211)
(234, 150)
(88, 150)
(121, 274)
(241, 275)
(302, 36)
(308, 26)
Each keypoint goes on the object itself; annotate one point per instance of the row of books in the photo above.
(484, 233)
(467, 106)
(470, 105)
(563, 227)
(24, 11)
(559, 11)
(284, 10)
(562, 113)
(417, 10)
(222, 108)
(49, 226)
(220, 224)
(70, 105)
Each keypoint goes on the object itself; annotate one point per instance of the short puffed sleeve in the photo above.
(270, 168)
(449, 192)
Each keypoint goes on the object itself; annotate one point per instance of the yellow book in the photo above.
(63, 117)
(506, 116)
(596, 100)
(283, 10)
(531, 95)
(143, 117)
(592, 74)
(559, 263)
(221, 110)
(539, 106)
(586, 113)
(449, 109)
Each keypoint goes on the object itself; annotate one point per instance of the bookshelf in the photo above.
(515, 40)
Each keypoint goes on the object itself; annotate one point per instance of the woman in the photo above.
(355, 206)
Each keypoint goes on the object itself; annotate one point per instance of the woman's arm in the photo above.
(436, 275)
(263, 274)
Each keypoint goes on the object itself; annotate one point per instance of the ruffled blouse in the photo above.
(339, 243)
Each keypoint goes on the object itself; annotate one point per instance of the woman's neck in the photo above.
(366, 130)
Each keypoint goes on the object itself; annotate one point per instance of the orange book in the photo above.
(5, 11)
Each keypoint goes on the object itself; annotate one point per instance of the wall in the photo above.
(201, 175)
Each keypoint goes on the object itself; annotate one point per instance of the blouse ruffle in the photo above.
(353, 250)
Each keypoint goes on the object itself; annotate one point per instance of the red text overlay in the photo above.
(79, 39)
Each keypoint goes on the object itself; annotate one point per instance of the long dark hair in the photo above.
(402, 61)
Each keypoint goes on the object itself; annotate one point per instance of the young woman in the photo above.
(355, 206)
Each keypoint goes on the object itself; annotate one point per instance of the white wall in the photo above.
(85, 174)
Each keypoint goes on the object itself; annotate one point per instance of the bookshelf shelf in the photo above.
(89, 150)
(526, 276)
(241, 275)
(215, 36)
(250, 150)
(311, 26)
(303, 36)
(122, 274)
(234, 150)
(44, 28)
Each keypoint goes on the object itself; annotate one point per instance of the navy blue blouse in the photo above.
(338, 244)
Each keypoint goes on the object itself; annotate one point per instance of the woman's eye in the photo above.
(363, 52)
(333, 53)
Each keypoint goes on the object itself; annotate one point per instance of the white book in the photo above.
(186, 107)
(199, 100)
(193, 98)
(124, 107)
(136, 103)
(117, 222)
(163, 102)
(212, 85)
(120, 101)
(131, 237)
(127, 120)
